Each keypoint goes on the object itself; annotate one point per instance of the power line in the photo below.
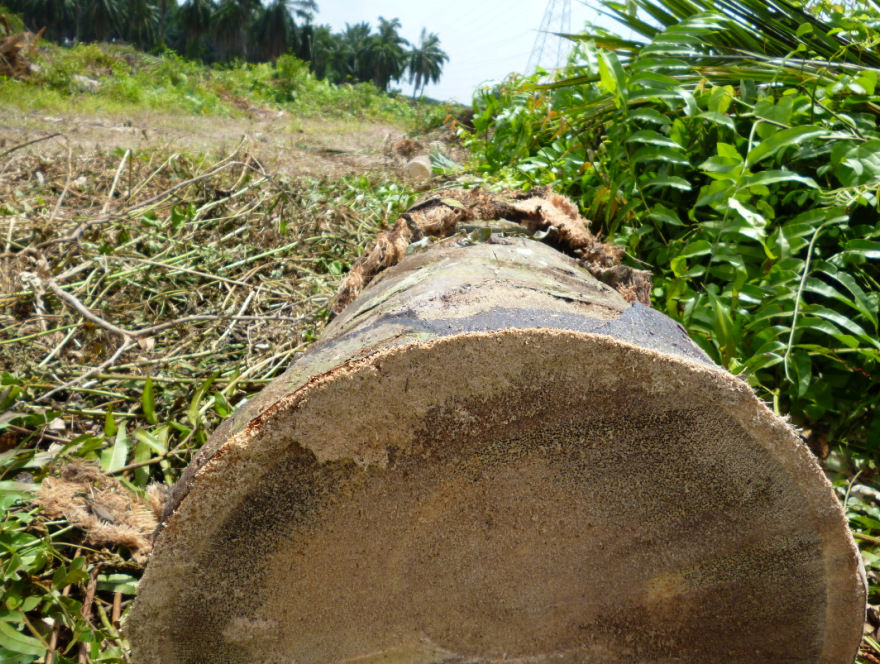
(557, 19)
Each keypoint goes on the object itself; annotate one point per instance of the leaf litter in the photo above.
(144, 294)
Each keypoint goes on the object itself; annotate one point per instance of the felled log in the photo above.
(490, 456)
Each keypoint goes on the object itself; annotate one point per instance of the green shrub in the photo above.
(747, 183)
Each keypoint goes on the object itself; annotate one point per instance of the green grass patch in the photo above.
(118, 78)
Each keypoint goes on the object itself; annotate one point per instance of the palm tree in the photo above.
(104, 19)
(304, 9)
(751, 29)
(275, 30)
(306, 41)
(355, 43)
(386, 54)
(325, 50)
(142, 23)
(54, 15)
(195, 19)
(425, 63)
(232, 20)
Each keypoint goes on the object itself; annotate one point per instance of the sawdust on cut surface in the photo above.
(102, 507)
(528, 511)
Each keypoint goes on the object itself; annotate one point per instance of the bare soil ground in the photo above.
(287, 145)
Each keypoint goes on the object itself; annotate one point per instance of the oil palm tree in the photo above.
(324, 50)
(195, 19)
(425, 63)
(275, 31)
(303, 9)
(142, 23)
(54, 15)
(355, 44)
(232, 20)
(103, 19)
(386, 53)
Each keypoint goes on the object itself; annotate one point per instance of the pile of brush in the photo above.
(13, 49)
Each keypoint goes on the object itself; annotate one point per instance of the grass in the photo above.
(112, 78)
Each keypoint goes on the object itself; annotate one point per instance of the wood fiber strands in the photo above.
(492, 456)
(537, 211)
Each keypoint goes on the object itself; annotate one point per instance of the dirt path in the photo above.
(294, 146)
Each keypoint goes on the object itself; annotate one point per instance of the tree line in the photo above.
(228, 30)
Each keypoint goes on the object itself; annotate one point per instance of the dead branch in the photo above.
(24, 145)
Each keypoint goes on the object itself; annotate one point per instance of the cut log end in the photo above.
(577, 499)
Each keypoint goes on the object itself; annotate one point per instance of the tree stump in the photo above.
(491, 456)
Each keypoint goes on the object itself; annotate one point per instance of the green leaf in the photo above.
(148, 403)
(177, 218)
(867, 81)
(667, 155)
(720, 100)
(221, 405)
(153, 442)
(860, 301)
(142, 453)
(866, 248)
(668, 181)
(719, 190)
(18, 490)
(67, 575)
(680, 269)
(650, 115)
(785, 139)
(118, 583)
(718, 118)
(723, 329)
(728, 150)
(778, 112)
(664, 215)
(652, 137)
(856, 163)
(804, 29)
(652, 79)
(750, 216)
(690, 104)
(113, 458)
(818, 324)
(606, 78)
(777, 176)
(30, 603)
(109, 422)
(617, 72)
(804, 370)
(698, 248)
(843, 321)
(193, 411)
(722, 167)
(17, 642)
(86, 445)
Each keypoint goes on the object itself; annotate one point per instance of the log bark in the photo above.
(492, 456)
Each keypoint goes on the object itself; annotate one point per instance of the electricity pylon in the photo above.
(557, 19)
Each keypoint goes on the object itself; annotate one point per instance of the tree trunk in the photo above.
(492, 456)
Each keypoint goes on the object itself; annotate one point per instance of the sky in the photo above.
(485, 39)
